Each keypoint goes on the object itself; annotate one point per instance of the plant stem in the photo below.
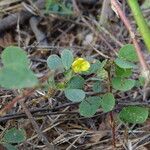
(141, 22)
(112, 121)
(112, 124)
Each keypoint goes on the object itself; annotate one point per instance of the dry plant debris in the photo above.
(48, 118)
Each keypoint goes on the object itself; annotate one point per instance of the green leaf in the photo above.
(120, 72)
(9, 146)
(89, 106)
(102, 74)
(60, 86)
(67, 58)
(48, 4)
(140, 81)
(75, 95)
(134, 114)
(97, 87)
(66, 9)
(76, 82)
(59, 7)
(55, 8)
(13, 56)
(68, 74)
(14, 135)
(128, 53)
(51, 81)
(17, 78)
(54, 62)
(15, 73)
(108, 102)
(122, 84)
(124, 64)
(93, 67)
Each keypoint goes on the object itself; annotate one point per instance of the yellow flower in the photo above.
(80, 65)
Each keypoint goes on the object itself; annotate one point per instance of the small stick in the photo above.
(15, 100)
(36, 127)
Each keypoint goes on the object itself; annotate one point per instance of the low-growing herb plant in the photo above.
(107, 77)
(12, 137)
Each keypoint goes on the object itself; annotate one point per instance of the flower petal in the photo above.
(80, 65)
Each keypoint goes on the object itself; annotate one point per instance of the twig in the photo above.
(44, 131)
(103, 29)
(99, 35)
(38, 115)
(72, 144)
(36, 127)
(49, 111)
(99, 52)
(143, 141)
(90, 26)
(33, 112)
(16, 99)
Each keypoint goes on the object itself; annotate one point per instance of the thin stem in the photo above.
(112, 121)
(112, 124)
(141, 23)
